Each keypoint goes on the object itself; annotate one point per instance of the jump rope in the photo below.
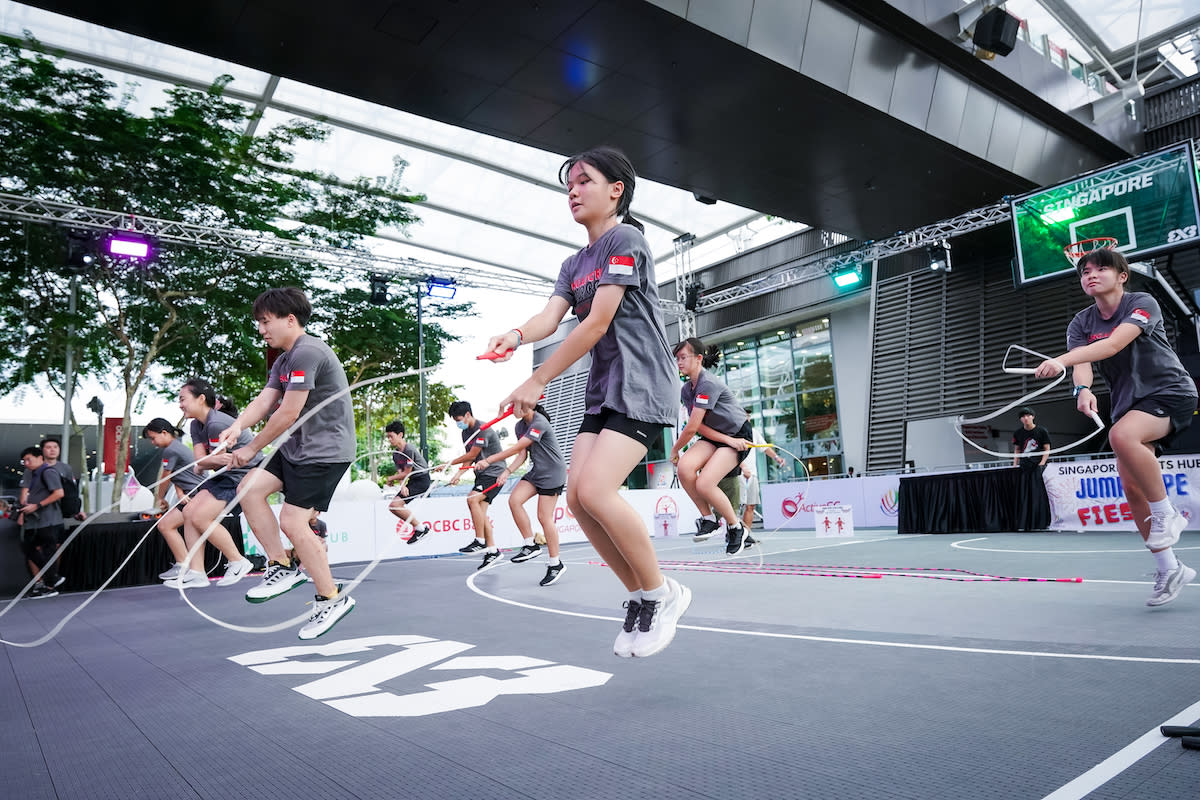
(442, 475)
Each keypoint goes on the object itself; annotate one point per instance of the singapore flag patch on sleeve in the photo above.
(702, 400)
(1138, 315)
(297, 376)
(620, 265)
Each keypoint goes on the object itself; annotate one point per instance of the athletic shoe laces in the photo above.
(1160, 580)
(632, 609)
(646, 615)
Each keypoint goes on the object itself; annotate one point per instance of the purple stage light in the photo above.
(129, 245)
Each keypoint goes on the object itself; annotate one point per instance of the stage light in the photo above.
(379, 290)
(939, 256)
(691, 297)
(848, 276)
(81, 252)
(445, 288)
(128, 244)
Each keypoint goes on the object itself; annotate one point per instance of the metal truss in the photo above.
(258, 243)
(818, 266)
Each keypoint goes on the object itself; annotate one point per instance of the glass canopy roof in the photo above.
(491, 204)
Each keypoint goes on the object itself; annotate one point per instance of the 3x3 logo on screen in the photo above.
(353, 671)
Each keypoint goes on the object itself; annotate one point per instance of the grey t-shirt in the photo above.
(176, 456)
(327, 437)
(410, 456)
(489, 444)
(548, 468)
(1147, 366)
(208, 433)
(632, 370)
(44, 482)
(723, 412)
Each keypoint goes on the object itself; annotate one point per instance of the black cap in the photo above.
(1024, 411)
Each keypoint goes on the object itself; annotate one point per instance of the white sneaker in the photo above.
(657, 620)
(276, 580)
(235, 571)
(1165, 529)
(623, 646)
(326, 614)
(192, 579)
(1168, 585)
(173, 572)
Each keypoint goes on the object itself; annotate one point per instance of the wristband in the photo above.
(520, 336)
(1079, 389)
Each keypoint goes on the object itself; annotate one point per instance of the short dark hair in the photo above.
(1026, 410)
(54, 439)
(281, 302)
(1104, 257)
(395, 426)
(32, 450)
(460, 408)
(614, 166)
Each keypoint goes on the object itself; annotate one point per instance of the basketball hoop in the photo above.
(1077, 250)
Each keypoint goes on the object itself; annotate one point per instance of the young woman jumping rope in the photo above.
(725, 439)
(1153, 399)
(175, 455)
(611, 287)
(546, 478)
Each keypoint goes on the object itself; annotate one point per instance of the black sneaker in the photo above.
(420, 533)
(735, 540)
(489, 558)
(750, 542)
(474, 546)
(704, 529)
(552, 573)
(41, 590)
(527, 552)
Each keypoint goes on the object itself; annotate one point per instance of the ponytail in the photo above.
(709, 357)
(614, 166)
(539, 409)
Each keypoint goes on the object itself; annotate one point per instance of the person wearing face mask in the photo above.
(489, 478)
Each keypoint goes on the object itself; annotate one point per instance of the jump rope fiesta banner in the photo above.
(1088, 495)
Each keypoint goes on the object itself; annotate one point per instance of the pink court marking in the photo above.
(895, 572)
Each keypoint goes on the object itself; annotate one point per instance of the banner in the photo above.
(874, 501)
(1088, 495)
(358, 530)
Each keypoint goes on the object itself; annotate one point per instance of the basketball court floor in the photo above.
(882, 666)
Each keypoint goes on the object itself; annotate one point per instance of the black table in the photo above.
(97, 551)
(980, 501)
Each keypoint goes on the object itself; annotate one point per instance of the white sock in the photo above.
(635, 596)
(1166, 560)
(481, 541)
(657, 594)
(1161, 507)
(529, 542)
(493, 549)
(553, 562)
(711, 517)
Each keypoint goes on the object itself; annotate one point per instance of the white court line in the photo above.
(1121, 760)
(836, 640)
(961, 545)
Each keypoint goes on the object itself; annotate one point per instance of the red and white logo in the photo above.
(702, 399)
(620, 265)
(296, 376)
(1140, 315)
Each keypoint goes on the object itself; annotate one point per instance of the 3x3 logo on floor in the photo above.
(352, 685)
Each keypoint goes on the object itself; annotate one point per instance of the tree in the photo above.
(66, 136)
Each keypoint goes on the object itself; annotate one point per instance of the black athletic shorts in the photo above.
(636, 429)
(554, 491)
(1178, 409)
(482, 485)
(309, 485)
(745, 432)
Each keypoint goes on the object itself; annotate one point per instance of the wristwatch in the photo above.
(1079, 389)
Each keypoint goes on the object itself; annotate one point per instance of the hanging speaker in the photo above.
(997, 31)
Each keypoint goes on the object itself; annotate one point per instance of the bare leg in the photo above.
(711, 474)
(545, 513)
(748, 515)
(199, 515)
(1141, 476)
(690, 463)
(310, 550)
(477, 503)
(255, 488)
(168, 526)
(516, 505)
(613, 527)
